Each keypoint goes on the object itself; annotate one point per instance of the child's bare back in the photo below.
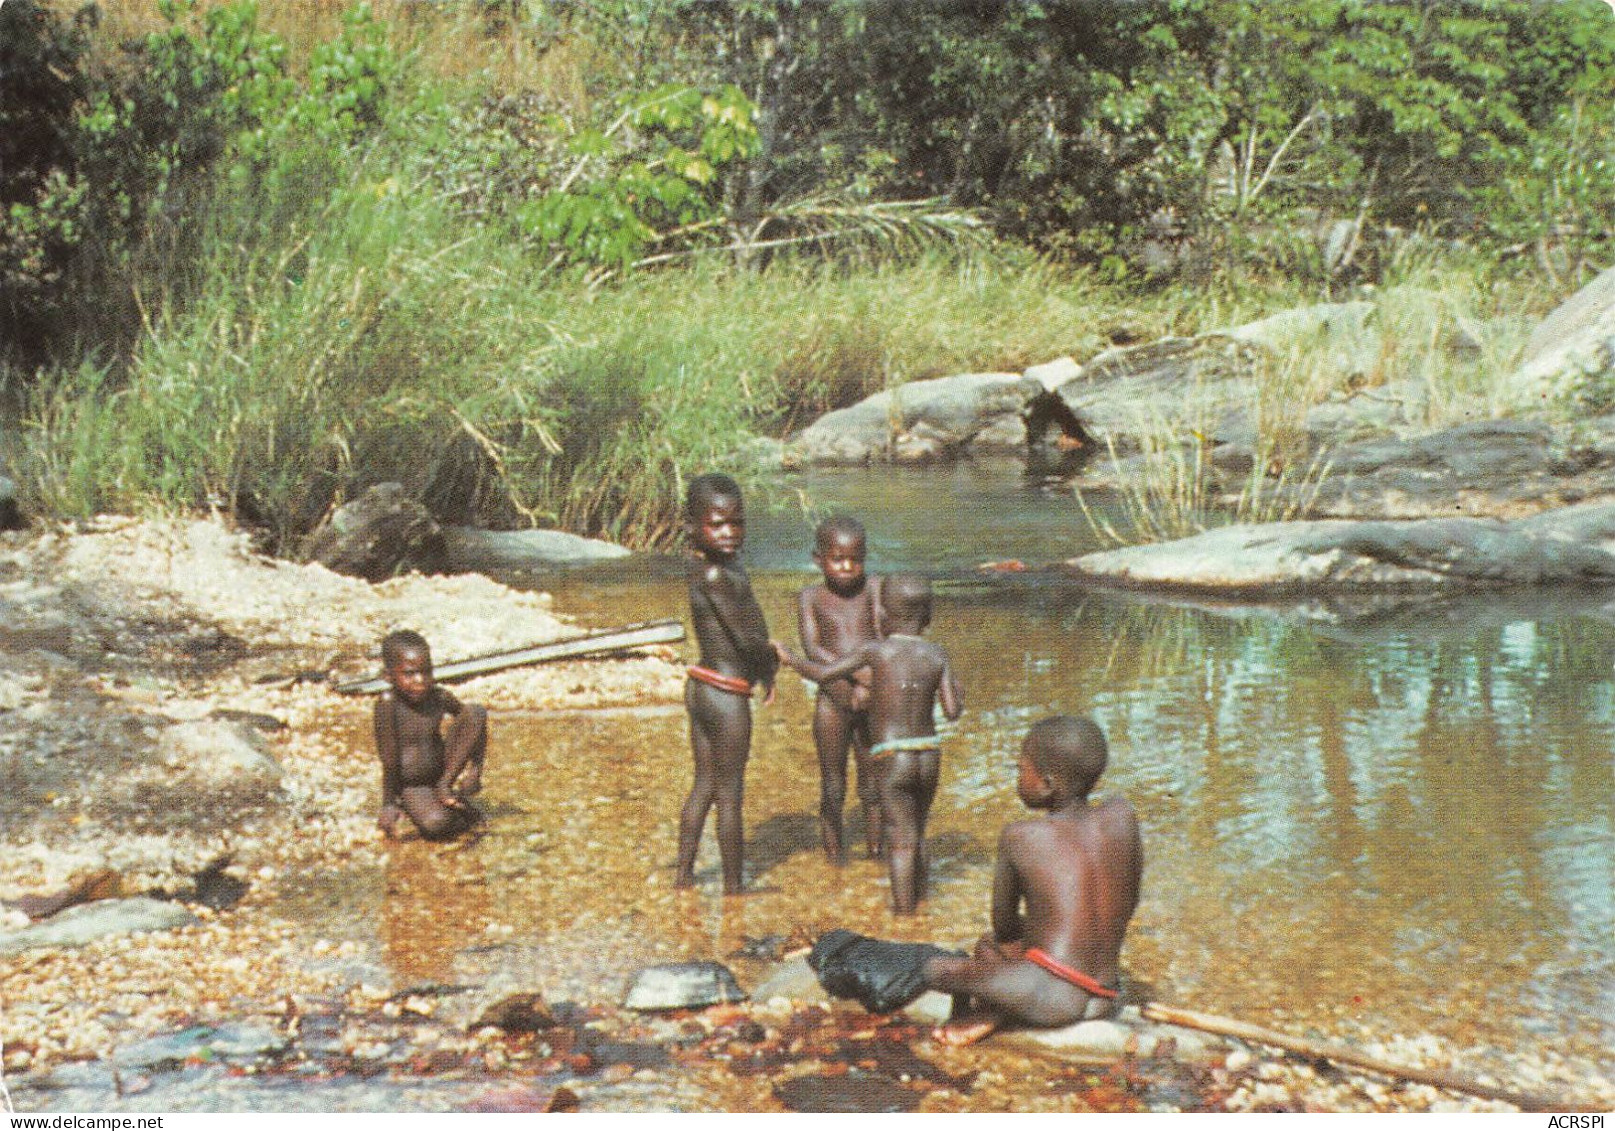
(908, 677)
(1076, 871)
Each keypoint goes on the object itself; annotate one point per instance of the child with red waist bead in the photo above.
(1077, 869)
(735, 656)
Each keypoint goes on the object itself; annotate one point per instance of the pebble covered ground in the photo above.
(116, 632)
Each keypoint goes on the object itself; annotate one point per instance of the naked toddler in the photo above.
(835, 617)
(423, 772)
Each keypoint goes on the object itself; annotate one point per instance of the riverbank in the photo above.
(121, 639)
(120, 632)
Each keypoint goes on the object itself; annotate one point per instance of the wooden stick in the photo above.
(590, 643)
(1345, 1054)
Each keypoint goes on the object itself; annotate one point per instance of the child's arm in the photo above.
(456, 754)
(949, 695)
(807, 627)
(1007, 923)
(742, 620)
(858, 658)
(386, 727)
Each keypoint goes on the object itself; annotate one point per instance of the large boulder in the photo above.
(919, 422)
(377, 535)
(1571, 354)
(1206, 384)
(1280, 558)
(467, 549)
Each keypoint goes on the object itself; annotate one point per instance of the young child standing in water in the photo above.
(835, 617)
(909, 676)
(423, 773)
(1078, 869)
(735, 656)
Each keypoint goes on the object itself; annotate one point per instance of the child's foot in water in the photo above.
(966, 1030)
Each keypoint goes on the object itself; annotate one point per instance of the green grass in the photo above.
(380, 336)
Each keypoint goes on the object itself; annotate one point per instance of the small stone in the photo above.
(518, 1013)
(683, 985)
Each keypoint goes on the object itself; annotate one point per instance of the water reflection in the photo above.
(1410, 828)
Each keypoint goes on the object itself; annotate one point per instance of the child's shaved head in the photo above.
(395, 644)
(838, 526)
(907, 596)
(705, 489)
(1069, 752)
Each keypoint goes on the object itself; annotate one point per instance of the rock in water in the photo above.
(683, 985)
(919, 421)
(467, 549)
(79, 925)
(881, 976)
(518, 1013)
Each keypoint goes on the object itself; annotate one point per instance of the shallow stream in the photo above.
(1366, 824)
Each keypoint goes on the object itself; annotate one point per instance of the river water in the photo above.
(1363, 824)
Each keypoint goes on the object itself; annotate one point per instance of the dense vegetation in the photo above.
(539, 260)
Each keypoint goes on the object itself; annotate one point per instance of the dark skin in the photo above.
(908, 678)
(834, 618)
(424, 772)
(1076, 871)
(733, 638)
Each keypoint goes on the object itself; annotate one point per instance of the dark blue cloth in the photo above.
(881, 976)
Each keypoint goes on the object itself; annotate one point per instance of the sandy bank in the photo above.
(113, 634)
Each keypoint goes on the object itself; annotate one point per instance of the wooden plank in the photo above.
(1345, 1054)
(590, 643)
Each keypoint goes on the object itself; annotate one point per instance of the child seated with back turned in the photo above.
(834, 618)
(1077, 869)
(423, 772)
(735, 656)
(909, 676)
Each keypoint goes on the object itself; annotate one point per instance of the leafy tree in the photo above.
(41, 82)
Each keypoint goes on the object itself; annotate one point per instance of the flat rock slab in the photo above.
(1327, 555)
(468, 549)
(683, 985)
(203, 1043)
(87, 922)
(219, 751)
(1100, 1042)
